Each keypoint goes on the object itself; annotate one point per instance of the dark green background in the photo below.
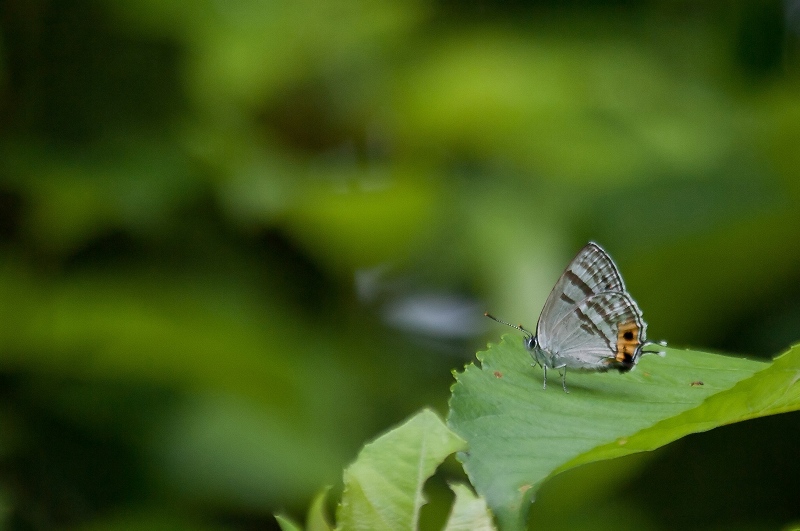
(238, 239)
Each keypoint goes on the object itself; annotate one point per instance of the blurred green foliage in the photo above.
(237, 239)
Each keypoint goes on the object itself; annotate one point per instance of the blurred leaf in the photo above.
(383, 487)
(287, 524)
(469, 512)
(247, 50)
(317, 520)
(520, 434)
(249, 429)
(364, 221)
(127, 519)
(581, 497)
(127, 182)
(598, 109)
(238, 452)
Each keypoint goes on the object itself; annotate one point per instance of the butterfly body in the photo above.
(589, 321)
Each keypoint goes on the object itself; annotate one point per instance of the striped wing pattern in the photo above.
(603, 331)
(591, 272)
(589, 321)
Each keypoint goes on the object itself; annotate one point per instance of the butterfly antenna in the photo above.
(518, 327)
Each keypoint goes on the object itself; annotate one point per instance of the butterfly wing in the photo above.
(601, 332)
(591, 272)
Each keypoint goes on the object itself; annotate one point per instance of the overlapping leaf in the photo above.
(383, 487)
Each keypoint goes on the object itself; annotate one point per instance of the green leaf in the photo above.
(768, 392)
(383, 487)
(287, 524)
(519, 434)
(469, 512)
(316, 519)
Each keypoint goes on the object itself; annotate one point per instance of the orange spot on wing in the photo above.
(627, 340)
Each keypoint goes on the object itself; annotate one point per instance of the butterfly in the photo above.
(589, 321)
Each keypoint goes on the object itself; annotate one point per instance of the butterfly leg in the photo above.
(544, 368)
(564, 379)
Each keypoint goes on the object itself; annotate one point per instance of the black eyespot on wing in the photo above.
(628, 335)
